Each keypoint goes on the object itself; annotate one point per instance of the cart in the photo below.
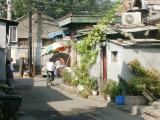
(9, 106)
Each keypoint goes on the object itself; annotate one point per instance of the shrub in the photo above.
(108, 87)
(145, 79)
(67, 76)
(74, 82)
(94, 84)
(85, 93)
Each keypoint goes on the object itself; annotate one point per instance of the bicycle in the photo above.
(50, 78)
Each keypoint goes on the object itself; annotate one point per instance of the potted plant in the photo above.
(94, 86)
(107, 89)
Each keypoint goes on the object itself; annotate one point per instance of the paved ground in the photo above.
(54, 103)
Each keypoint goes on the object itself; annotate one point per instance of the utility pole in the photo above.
(30, 39)
(9, 9)
(9, 17)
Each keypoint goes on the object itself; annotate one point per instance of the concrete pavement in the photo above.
(55, 103)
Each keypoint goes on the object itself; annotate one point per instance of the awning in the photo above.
(55, 34)
(55, 47)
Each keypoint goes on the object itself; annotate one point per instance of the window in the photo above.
(22, 42)
(114, 55)
(13, 33)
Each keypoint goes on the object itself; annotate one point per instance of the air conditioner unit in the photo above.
(13, 33)
(131, 18)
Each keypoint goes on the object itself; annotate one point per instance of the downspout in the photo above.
(7, 44)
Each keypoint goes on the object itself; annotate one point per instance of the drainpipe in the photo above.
(30, 38)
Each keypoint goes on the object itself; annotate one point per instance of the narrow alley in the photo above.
(48, 103)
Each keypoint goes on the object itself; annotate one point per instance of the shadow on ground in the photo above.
(37, 100)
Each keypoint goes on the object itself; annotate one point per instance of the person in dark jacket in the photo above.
(8, 72)
(22, 66)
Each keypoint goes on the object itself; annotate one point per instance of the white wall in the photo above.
(95, 70)
(2, 52)
(3, 34)
(114, 68)
(148, 57)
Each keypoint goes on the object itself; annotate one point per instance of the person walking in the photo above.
(50, 72)
(12, 68)
(8, 73)
(57, 66)
(22, 66)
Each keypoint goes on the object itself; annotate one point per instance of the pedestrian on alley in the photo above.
(8, 73)
(57, 67)
(50, 72)
(12, 68)
(22, 66)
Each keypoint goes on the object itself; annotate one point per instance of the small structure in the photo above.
(121, 52)
(74, 25)
(135, 37)
(6, 33)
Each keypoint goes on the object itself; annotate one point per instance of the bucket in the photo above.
(120, 100)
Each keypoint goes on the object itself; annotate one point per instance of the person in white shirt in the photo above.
(58, 66)
(50, 69)
(12, 68)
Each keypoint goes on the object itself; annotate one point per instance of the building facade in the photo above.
(42, 25)
(5, 31)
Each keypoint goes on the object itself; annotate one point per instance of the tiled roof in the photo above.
(129, 29)
(138, 43)
(154, 17)
(153, 2)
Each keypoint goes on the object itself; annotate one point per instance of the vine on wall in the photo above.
(87, 47)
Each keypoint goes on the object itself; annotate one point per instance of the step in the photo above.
(154, 113)
(156, 104)
(148, 96)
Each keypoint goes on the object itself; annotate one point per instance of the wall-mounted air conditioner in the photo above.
(131, 18)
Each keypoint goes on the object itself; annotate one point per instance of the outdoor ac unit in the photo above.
(131, 18)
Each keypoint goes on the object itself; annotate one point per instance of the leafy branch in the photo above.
(87, 47)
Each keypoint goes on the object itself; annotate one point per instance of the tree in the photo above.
(3, 9)
(19, 8)
(59, 8)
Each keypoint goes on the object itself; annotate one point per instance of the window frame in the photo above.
(115, 57)
(16, 39)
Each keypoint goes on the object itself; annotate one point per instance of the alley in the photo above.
(54, 103)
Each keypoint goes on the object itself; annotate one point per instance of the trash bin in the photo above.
(10, 105)
(120, 100)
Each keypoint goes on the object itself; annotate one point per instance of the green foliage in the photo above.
(19, 8)
(87, 47)
(108, 87)
(145, 79)
(3, 9)
(74, 82)
(85, 93)
(94, 84)
(112, 88)
(58, 8)
(67, 77)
